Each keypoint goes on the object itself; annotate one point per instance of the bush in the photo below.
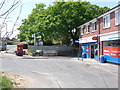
(12, 43)
(31, 43)
(25, 46)
(15, 43)
(33, 52)
(5, 83)
(48, 42)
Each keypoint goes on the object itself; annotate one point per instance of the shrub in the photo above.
(33, 52)
(5, 83)
(15, 43)
(12, 43)
(48, 42)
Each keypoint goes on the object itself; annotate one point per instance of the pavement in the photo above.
(109, 67)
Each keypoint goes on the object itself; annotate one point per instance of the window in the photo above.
(106, 21)
(82, 30)
(117, 17)
(112, 43)
(87, 29)
(94, 26)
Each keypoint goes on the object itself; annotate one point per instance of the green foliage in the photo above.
(5, 83)
(12, 43)
(48, 43)
(15, 43)
(33, 52)
(56, 22)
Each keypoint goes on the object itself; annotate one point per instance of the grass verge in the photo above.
(5, 83)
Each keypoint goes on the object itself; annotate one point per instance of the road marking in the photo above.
(39, 72)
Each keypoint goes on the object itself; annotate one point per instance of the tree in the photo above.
(57, 22)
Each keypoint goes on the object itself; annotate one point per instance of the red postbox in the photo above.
(19, 51)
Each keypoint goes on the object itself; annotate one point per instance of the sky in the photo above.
(28, 5)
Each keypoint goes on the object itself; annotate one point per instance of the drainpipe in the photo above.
(98, 39)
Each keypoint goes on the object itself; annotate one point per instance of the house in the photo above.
(101, 36)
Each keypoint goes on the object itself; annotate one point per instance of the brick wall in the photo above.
(101, 30)
(91, 33)
(112, 25)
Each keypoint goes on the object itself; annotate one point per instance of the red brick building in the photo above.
(101, 36)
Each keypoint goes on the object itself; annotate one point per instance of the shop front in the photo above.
(111, 47)
(89, 48)
(111, 51)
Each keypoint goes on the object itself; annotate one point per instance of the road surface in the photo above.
(11, 48)
(58, 72)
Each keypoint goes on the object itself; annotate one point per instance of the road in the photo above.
(58, 72)
(11, 48)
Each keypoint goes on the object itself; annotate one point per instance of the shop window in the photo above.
(117, 17)
(106, 21)
(113, 43)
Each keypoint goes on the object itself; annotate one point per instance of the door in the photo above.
(92, 51)
(96, 52)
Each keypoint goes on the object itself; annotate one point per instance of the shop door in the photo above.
(92, 51)
(96, 52)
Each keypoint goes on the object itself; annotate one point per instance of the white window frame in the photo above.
(93, 26)
(117, 17)
(82, 30)
(106, 21)
(87, 29)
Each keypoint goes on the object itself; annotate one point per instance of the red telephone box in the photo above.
(19, 51)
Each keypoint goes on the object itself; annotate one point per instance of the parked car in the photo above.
(2, 46)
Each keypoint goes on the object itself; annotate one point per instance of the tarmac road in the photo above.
(11, 48)
(58, 72)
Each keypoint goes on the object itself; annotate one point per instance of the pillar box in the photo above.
(19, 51)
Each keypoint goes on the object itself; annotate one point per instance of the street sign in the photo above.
(33, 35)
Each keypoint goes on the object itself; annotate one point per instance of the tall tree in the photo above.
(60, 21)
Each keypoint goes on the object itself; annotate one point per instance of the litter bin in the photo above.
(102, 59)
